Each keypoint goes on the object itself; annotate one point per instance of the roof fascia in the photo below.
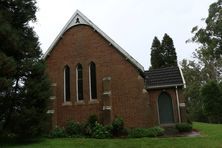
(90, 23)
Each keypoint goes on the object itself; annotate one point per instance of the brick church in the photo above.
(91, 74)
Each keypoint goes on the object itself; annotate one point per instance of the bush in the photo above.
(100, 131)
(57, 133)
(74, 129)
(184, 127)
(146, 132)
(117, 126)
(90, 124)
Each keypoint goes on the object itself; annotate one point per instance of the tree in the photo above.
(24, 86)
(211, 93)
(156, 54)
(163, 54)
(209, 53)
(194, 81)
(170, 57)
(208, 63)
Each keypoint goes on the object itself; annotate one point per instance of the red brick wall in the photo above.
(154, 94)
(81, 44)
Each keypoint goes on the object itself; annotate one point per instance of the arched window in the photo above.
(66, 83)
(79, 82)
(92, 80)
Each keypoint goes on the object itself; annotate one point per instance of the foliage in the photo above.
(209, 38)
(117, 126)
(146, 132)
(169, 52)
(24, 86)
(194, 80)
(57, 133)
(100, 132)
(163, 54)
(74, 129)
(184, 127)
(208, 63)
(211, 93)
(90, 124)
(212, 140)
(156, 54)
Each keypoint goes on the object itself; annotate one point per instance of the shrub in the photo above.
(57, 133)
(117, 126)
(90, 124)
(184, 127)
(100, 131)
(74, 129)
(146, 132)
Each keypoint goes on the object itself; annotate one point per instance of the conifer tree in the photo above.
(156, 54)
(170, 57)
(24, 86)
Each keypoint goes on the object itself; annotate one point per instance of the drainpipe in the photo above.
(178, 105)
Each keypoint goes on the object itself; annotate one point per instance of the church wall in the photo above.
(128, 98)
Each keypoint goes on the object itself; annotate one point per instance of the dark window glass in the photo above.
(80, 82)
(93, 80)
(67, 83)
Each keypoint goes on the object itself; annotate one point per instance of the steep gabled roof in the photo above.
(164, 77)
(78, 18)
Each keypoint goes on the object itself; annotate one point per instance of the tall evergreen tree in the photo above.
(163, 54)
(170, 57)
(24, 87)
(156, 54)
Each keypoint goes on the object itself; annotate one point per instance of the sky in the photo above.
(132, 24)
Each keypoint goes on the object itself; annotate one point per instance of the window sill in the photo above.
(79, 103)
(94, 101)
(67, 104)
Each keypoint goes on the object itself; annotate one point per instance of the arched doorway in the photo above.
(165, 109)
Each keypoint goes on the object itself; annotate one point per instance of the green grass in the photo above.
(211, 137)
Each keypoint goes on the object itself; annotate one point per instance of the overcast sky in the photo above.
(130, 23)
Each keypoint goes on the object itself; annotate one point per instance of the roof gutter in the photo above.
(164, 86)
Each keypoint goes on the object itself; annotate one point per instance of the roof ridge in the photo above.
(79, 18)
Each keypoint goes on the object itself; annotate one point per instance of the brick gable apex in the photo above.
(79, 18)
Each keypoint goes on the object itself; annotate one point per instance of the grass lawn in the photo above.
(211, 137)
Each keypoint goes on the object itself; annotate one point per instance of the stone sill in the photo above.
(94, 101)
(79, 103)
(67, 104)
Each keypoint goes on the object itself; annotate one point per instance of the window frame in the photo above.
(77, 83)
(90, 82)
(66, 99)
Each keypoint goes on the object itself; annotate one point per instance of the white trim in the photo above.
(164, 86)
(77, 92)
(157, 104)
(53, 84)
(108, 93)
(50, 111)
(90, 83)
(64, 73)
(178, 105)
(85, 20)
(52, 97)
(107, 78)
(107, 107)
(90, 93)
(182, 104)
(181, 73)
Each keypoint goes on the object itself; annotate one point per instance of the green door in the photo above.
(165, 109)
